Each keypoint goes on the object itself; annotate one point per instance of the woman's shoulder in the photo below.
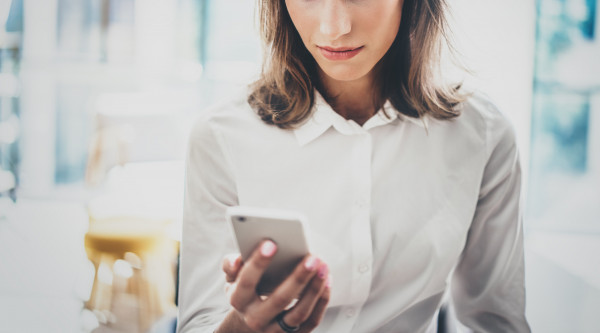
(233, 107)
(481, 114)
(480, 126)
(231, 113)
(482, 108)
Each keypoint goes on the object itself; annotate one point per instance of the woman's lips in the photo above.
(339, 53)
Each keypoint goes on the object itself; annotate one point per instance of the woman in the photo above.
(410, 186)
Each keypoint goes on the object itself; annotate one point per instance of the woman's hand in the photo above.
(308, 283)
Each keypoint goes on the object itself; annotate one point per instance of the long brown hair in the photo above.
(409, 73)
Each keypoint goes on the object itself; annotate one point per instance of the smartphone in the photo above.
(285, 228)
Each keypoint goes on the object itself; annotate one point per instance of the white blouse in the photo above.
(401, 209)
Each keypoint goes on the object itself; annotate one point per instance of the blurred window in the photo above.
(124, 48)
(11, 27)
(564, 183)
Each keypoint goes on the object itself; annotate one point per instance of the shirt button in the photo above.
(350, 313)
(363, 268)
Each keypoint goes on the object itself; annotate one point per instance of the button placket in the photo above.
(363, 268)
(361, 203)
(350, 313)
(361, 226)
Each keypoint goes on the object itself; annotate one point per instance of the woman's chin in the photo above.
(345, 73)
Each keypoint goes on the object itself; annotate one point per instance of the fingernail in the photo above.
(311, 263)
(268, 248)
(323, 271)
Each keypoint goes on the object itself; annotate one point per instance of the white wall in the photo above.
(496, 40)
(38, 98)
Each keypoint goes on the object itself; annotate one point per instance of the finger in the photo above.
(315, 317)
(250, 273)
(229, 287)
(290, 288)
(319, 310)
(274, 327)
(231, 266)
(310, 296)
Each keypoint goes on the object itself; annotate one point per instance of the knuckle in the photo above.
(315, 287)
(253, 323)
(273, 329)
(297, 317)
(300, 278)
(305, 316)
(236, 303)
(279, 301)
(313, 321)
(245, 284)
(260, 263)
(229, 277)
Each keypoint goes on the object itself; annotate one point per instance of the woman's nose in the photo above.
(335, 19)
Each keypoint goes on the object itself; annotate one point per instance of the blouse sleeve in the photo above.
(488, 291)
(206, 238)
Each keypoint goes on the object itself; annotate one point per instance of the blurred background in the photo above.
(97, 98)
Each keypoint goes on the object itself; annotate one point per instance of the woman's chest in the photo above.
(374, 208)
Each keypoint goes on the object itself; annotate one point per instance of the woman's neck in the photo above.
(356, 100)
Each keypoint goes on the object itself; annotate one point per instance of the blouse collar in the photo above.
(323, 117)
